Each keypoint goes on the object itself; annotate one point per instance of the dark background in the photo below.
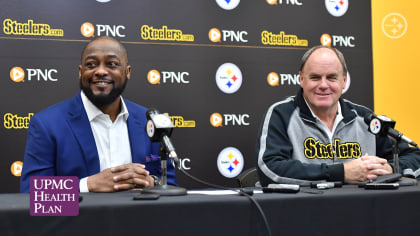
(196, 100)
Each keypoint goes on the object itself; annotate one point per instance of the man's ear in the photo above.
(80, 71)
(128, 71)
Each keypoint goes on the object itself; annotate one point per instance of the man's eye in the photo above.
(113, 64)
(90, 64)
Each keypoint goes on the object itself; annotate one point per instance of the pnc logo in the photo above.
(274, 79)
(228, 4)
(16, 168)
(228, 78)
(288, 2)
(154, 77)
(216, 36)
(218, 120)
(337, 40)
(17, 74)
(326, 40)
(183, 163)
(88, 30)
(230, 162)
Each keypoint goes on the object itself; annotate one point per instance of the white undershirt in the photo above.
(111, 138)
(324, 127)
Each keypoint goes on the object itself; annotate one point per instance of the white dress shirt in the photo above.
(338, 118)
(111, 138)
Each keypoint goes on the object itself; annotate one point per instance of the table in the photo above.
(341, 211)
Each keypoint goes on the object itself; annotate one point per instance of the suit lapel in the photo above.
(82, 131)
(136, 126)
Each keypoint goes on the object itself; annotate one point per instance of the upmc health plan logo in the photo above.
(337, 8)
(54, 196)
(230, 162)
(228, 4)
(228, 78)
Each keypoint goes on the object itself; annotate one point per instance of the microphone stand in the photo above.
(395, 153)
(164, 189)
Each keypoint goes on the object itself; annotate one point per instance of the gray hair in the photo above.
(313, 49)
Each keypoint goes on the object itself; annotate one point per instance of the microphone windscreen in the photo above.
(150, 112)
(368, 118)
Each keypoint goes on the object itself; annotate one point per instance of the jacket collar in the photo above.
(305, 112)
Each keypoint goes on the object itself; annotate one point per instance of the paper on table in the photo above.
(217, 192)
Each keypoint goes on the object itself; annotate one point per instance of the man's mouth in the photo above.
(102, 82)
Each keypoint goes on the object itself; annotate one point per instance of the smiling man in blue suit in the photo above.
(97, 135)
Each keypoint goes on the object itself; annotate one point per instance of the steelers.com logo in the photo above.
(230, 162)
(228, 4)
(337, 8)
(228, 78)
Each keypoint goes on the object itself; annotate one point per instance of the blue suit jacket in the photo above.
(60, 142)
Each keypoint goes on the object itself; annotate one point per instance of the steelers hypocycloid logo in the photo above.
(337, 8)
(228, 78)
(230, 162)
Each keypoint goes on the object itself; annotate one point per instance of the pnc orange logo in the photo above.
(87, 29)
(17, 74)
(216, 120)
(16, 168)
(273, 79)
(272, 2)
(215, 35)
(326, 40)
(153, 76)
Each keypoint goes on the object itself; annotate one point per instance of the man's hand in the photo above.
(364, 168)
(123, 177)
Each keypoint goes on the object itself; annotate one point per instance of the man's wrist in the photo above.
(156, 180)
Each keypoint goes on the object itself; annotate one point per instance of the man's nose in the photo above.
(101, 70)
(323, 83)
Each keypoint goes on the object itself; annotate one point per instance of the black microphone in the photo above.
(159, 128)
(382, 125)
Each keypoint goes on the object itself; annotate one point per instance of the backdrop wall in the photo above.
(395, 57)
(215, 66)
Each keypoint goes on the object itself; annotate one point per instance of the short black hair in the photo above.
(122, 47)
